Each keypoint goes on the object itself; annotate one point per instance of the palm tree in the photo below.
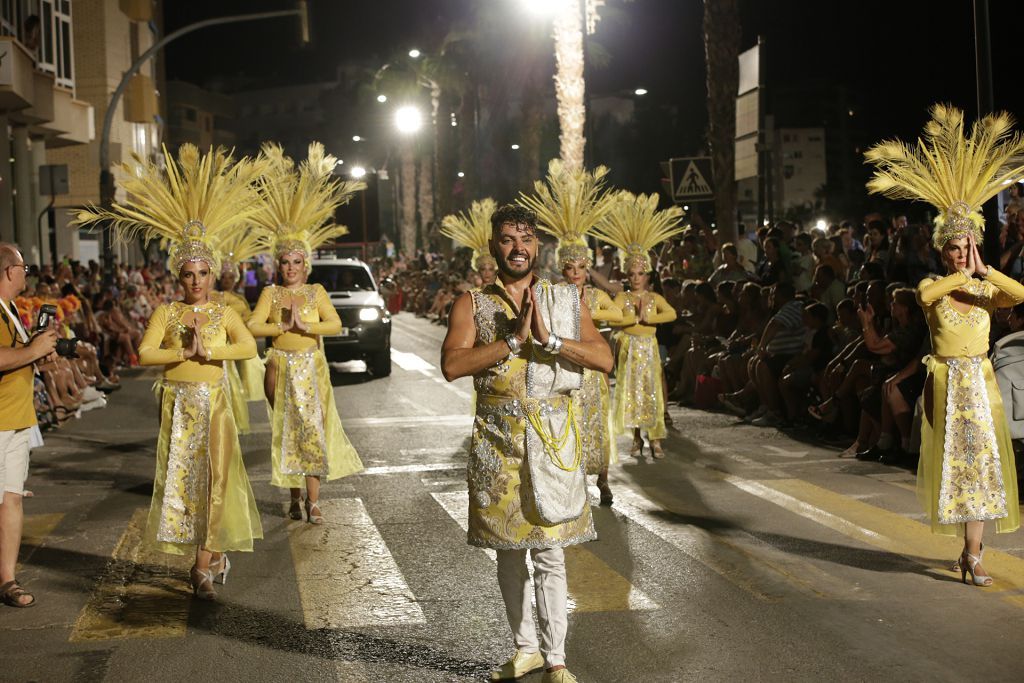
(721, 55)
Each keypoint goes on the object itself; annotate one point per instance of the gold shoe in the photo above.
(560, 676)
(521, 664)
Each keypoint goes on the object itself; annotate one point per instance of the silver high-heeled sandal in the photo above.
(638, 447)
(221, 575)
(317, 518)
(203, 587)
(968, 564)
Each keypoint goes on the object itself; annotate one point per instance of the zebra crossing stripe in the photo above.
(346, 575)
(593, 585)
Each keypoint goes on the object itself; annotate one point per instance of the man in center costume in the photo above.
(525, 342)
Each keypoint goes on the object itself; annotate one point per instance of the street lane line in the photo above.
(142, 593)
(434, 450)
(593, 585)
(459, 420)
(424, 467)
(346, 575)
(881, 528)
(414, 363)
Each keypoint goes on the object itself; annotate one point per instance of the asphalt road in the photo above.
(744, 555)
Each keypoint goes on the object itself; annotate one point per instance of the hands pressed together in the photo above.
(529, 321)
(975, 264)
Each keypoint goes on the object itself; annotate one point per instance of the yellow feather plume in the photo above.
(635, 225)
(211, 189)
(954, 173)
(472, 228)
(569, 202)
(298, 204)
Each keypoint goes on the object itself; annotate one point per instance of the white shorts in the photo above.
(14, 447)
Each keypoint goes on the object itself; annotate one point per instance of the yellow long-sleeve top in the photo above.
(602, 308)
(237, 303)
(224, 336)
(316, 311)
(658, 311)
(955, 333)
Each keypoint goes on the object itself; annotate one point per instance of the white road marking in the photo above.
(425, 467)
(346, 575)
(784, 452)
(801, 508)
(414, 363)
(410, 420)
(439, 450)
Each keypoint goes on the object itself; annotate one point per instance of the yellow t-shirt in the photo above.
(16, 408)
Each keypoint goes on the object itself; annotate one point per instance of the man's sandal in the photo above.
(11, 594)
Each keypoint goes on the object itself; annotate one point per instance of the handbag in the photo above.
(554, 484)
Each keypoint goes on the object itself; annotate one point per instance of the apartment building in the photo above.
(40, 110)
(108, 35)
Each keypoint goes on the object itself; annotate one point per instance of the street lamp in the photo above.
(408, 119)
(414, 53)
(358, 172)
(382, 98)
(515, 146)
(357, 138)
(640, 92)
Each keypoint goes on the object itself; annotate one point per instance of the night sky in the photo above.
(894, 57)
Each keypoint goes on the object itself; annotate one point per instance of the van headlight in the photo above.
(369, 314)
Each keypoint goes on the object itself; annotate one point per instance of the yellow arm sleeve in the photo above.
(1008, 293)
(625, 319)
(329, 323)
(150, 352)
(663, 313)
(929, 291)
(606, 311)
(241, 345)
(258, 324)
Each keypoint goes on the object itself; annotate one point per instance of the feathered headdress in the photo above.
(297, 206)
(473, 229)
(240, 245)
(568, 204)
(953, 173)
(635, 225)
(190, 207)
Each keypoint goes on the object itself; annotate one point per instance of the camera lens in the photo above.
(67, 348)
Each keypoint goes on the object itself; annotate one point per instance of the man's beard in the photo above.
(507, 269)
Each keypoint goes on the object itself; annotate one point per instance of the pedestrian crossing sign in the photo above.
(691, 179)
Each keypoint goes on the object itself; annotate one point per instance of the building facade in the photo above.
(108, 36)
(41, 113)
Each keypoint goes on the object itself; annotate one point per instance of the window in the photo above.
(814, 138)
(190, 113)
(57, 50)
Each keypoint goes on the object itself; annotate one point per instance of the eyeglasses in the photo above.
(20, 265)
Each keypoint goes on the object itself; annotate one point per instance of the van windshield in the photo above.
(342, 278)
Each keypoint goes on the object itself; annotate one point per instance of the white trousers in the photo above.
(551, 593)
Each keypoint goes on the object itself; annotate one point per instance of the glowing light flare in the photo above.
(640, 92)
(382, 98)
(357, 138)
(358, 172)
(821, 224)
(408, 119)
(415, 54)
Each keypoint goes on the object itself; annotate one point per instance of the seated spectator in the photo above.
(827, 289)
(802, 373)
(803, 263)
(783, 338)
(730, 270)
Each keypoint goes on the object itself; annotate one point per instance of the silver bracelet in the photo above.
(558, 346)
(554, 344)
(514, 345)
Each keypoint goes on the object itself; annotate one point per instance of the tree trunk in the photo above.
(425, 198)
(532, 134)
(569, 84)
(721, 55)
(407, 200)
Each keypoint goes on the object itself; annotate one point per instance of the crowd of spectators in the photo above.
(817, 332)
(106, 321)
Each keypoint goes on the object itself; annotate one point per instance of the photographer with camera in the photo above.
(18, 353)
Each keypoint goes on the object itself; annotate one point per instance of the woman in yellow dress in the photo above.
(308, 443)
(568, 204)
(244, 377)
(966, 472)
(201, 494)
(636, 226)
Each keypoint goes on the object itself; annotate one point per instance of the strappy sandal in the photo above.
(826, 416)
(202, 583)
(310, 506)
(295, 509)
(11, 594)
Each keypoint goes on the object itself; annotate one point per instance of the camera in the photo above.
(66, 348)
